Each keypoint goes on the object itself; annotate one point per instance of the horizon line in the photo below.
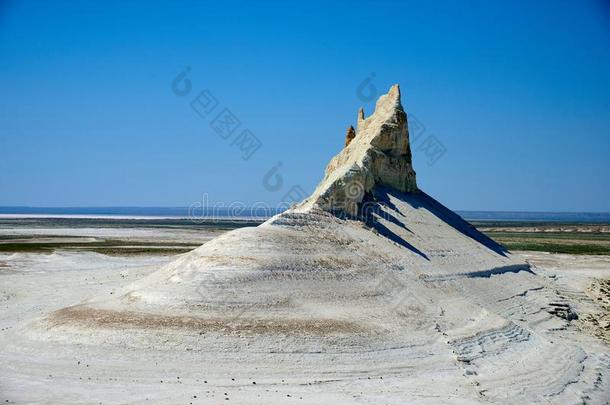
(227, 206)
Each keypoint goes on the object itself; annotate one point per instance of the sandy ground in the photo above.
(585, 280)
(163, 370)
(34, 285)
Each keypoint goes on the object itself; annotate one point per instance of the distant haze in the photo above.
(198, 215)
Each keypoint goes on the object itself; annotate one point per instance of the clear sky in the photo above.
(516, 93)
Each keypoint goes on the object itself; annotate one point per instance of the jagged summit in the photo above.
(378, 154)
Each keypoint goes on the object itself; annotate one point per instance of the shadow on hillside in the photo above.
(371, 212)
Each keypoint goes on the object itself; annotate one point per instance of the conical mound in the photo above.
(367, 273)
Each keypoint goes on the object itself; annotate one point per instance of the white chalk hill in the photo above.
(367, 274)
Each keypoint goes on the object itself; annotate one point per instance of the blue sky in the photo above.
(517, 94)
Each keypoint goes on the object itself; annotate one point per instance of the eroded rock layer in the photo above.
(379, 154)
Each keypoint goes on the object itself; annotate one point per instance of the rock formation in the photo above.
(367, 277)
(380, 154)
(350, 135)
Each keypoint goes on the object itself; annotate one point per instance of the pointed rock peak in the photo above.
(378, 154)
(351, 134)
(389, 102)
(361, 114)
(360, 120)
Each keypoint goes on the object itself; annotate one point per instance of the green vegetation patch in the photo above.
(108, 247)
(576, 249)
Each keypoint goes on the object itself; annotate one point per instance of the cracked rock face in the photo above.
(377, 155)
